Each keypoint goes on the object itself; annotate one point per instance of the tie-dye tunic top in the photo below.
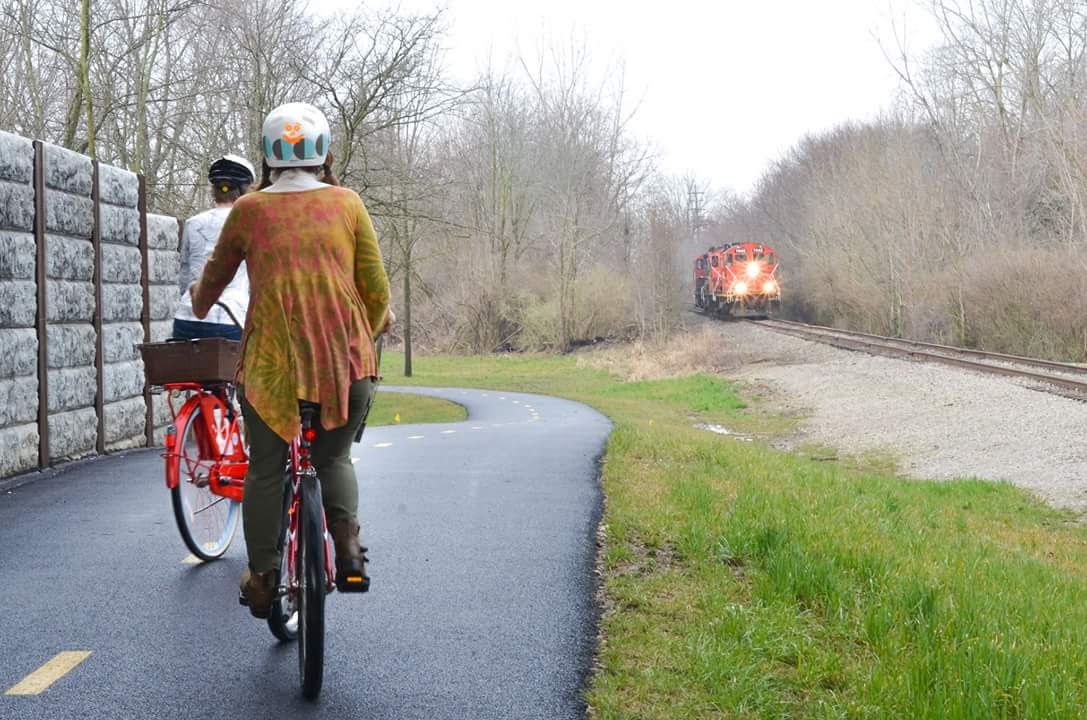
(317, 290)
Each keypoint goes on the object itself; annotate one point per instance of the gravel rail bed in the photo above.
(938, 422)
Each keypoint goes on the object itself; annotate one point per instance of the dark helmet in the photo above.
(231, 170)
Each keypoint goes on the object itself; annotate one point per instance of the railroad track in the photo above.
(1070, 378)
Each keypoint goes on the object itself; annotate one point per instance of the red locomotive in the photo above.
(737, 280)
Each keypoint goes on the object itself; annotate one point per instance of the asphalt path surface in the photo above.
(481, 537)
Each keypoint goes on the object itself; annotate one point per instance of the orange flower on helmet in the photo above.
(292, 132)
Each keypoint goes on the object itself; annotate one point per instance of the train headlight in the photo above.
(769, 287)
(740, 288)
(753, 269)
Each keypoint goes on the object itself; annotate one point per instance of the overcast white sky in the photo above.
(725, 87)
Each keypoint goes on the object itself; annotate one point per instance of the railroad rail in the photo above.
(1070, 378)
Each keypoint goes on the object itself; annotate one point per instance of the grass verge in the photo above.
(745, 582)
(392, 408)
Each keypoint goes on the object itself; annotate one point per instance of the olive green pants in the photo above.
(262, 509)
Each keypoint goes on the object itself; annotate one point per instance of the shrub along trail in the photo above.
(743, 580)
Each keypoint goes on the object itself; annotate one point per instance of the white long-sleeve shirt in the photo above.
(197, 243)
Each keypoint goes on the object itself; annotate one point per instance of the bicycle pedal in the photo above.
(243, 600)
(353, 584)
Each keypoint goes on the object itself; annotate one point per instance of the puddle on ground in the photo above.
(722, 430)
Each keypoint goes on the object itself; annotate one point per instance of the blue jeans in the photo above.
(194, 330)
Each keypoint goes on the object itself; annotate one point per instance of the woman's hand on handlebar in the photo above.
(390, 322)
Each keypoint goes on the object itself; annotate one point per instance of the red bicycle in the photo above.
(206, 462)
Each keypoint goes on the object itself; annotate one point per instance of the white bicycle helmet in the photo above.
(295, 135)
(232, 170)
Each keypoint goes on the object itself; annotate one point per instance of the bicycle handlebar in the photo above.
(230, 313)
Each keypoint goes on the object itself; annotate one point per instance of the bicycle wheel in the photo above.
(311, 592)
(207, 522)
(283, 621)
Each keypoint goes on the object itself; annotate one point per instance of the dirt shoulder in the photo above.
(935, 422)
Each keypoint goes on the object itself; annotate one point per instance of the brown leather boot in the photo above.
(257, 592)
(350, 559)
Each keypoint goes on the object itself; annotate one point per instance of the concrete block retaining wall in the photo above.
(94, 306)
(18, 308)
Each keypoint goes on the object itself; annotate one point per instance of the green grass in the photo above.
(391, 408)
(744, 582)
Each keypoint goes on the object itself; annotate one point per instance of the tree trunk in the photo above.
(407, 318)
(85, 72)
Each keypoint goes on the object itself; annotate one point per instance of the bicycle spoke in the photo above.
(210, 505)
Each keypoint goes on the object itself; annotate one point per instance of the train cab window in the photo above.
(758, 256)
(700, 264)
(770, 258)
(728, 259)
(713, 261)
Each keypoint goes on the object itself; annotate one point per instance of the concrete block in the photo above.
(68, 171)
(163, 301)
(162, 330)
(20, 352)
(162, 232)
(18, 255)
(117, 186)
(16, 206)
(71, 388)
(121, 381)
(164, 266)
(69, 345)
(16, 160)
(119, 225)
(125, 419)
(68, 258)
(69, 301)
(121, 264)
(18, 449)
(119, 341)
(18, 303)
(68, 214)
(18, 401)
(72, 434)
(121, 302)
(160, 410)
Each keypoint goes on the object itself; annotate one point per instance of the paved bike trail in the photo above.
(482, 546)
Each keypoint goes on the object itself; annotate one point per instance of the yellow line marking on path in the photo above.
(190, 559)
(38, 681)
(383, 445)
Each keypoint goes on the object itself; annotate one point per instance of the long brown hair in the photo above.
(323, 172)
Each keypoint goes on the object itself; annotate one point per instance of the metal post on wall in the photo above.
(99, 346)
(41, 277)
(145, 316)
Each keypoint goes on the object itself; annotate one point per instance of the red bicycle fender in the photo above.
(172, 477)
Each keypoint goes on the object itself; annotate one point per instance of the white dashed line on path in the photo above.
(383, 445)
(415, 437)
(477, 427)
(448, 432)
(355, 460)
(190, 559)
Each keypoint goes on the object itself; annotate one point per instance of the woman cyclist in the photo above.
(319, 295)
(230, 177)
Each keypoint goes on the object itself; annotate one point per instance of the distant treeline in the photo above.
(516, 212)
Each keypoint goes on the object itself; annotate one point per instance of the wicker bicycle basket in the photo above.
(205, 360)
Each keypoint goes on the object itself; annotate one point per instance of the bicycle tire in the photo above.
(191, 469)
(311, 591)
(283, 620)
